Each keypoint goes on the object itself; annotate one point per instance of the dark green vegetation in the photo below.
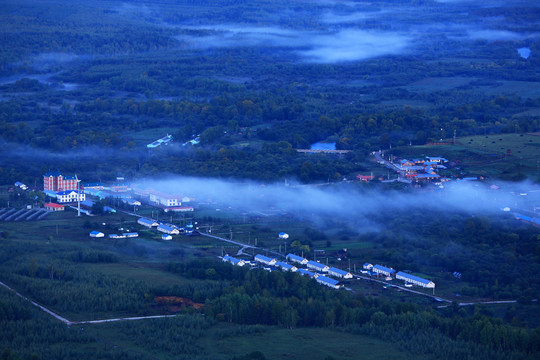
(55, 263)
(84, 88)
(116, 76)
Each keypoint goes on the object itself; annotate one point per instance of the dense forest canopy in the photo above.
(241, 74)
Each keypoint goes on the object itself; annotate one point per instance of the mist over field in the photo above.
(346, 203)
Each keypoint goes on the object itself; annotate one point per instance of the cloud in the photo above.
(495, 35)
(353, 45)
(312, 46)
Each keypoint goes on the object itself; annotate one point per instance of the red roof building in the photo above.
(54, 207)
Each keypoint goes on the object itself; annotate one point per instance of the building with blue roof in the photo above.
(265, 260)
(339, 273)
(285, 266)
(297, 259)
(131, 234)
(379, 269)
(166, 237)
(415, 280)
(328, 282)
(307, 273)
(317, 266)
(167, 229)
(97, 234)
(234, 261)
(147, 222)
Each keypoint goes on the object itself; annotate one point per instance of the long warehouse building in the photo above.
(415, 280)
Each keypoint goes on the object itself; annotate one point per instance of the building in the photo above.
(307, 273)
(93, 186)
(147, 222)
(379, 269)
(367, 266)
(297, 259)
(164, 199)
(328, 282)
(286, 267)
(131, 234)
(54, 207)
(340, 273)
(317, 266)
(97, 234)
(163, 141)
(179, 208)
(69, 196)
(234, 261)
(55, 181)
(166, 237)
(168, 230)
(415, 280)
(116, 236)
(265, 260)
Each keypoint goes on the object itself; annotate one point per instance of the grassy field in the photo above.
(505, 156)
(274, 343)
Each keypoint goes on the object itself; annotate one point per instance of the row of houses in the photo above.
(99, 234)
(400, 275)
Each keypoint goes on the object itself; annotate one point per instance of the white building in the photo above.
(340, 273)
(367, 266)
(379, 269)
(165, 199)
(147, 222)
(265, 260)
(168, 230)
(307, 273)
(286, 267)
(69, 196)
(131, 234)
(317, 266)
(97, 234)
(234, 261)
(328, 282)
(415, 280)
(297, 259)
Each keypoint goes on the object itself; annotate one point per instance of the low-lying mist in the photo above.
(346, 202)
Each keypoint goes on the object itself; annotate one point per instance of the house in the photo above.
(97, 234)
(415, 280)
(285, 266)
(55, 181)
(234, 261)
(340, 273)
(132, 202)
(131, 234)
(317, 266)
(54, 207)
(365, 177)
(405, 162)
(265, 260)
(147, 222)
(168, 230)
(69, 196)
(116, 236)
(307, 273)
(436, 159)
(426, 177)
(367, 266)
(379, 269)
(163, 141)
(93, 186)
(328, 282)
(297, 259)
(119, 188)
(164, 199)
(166, 237)
(179, 208)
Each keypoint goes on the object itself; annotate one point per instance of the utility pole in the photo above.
(78, 196)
